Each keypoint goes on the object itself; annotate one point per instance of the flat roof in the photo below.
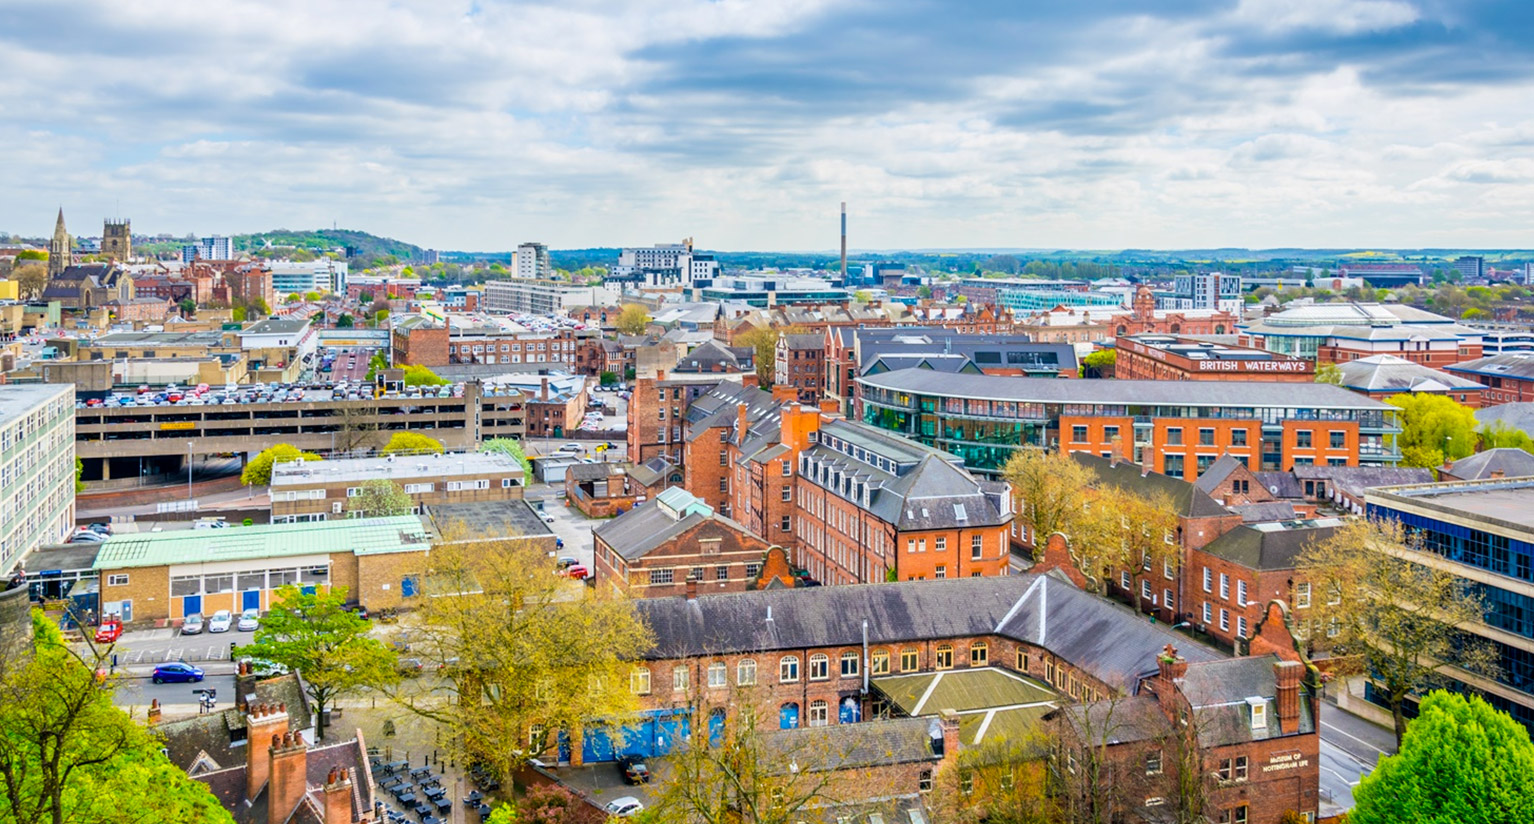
(401, 468)
(1508, 501)
(489, 521)
(1174, 393)
(16, 401)
(361, 536)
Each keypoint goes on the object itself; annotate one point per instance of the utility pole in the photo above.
(844, 243)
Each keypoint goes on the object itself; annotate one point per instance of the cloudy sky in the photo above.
(1021, 123)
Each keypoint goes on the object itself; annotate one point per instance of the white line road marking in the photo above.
(173, 654)
(1354, 737)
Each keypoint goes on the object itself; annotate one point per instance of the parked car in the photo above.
(221, 621)
(409, 667)
(577, 572)
(624, 807)
(635, 771)
(176, 672)
(250, 620)
(192, 624)
(567, 562)
(103, 528)
(570, 448)
(86, 536)
(109, 631)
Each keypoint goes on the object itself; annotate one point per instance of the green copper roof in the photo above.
(360, 536)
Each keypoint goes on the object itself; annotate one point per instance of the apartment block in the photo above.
(37, 468)
(327, 490)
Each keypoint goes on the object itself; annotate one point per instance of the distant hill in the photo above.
(362, 244)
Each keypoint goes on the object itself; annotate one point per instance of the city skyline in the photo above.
(1256, 124)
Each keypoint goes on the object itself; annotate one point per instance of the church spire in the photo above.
(61, 252)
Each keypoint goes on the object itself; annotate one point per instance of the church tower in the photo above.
(61, 250)
(117, 240)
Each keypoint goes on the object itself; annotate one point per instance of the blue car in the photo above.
(176, 673)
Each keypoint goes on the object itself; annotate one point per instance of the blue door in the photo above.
(191, 604)
(250, 599)
(564, 747)
(670, 731)
(716, 727)
(851, 711)
(407, 586)
(596, 745)
(788, 716)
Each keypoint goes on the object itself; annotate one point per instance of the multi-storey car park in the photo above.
(1177, 428)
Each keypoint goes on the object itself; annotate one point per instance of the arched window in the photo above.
(820, 667)
(788, 669)
(910, 659)
(819, 714)
(1122, 329)
(745, 672)
(879, 662)
(945, 656)
(978, 654)
(718, 675)
(1219, 328)
(850, 664)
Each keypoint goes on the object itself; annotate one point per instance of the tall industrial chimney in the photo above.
(844, 242)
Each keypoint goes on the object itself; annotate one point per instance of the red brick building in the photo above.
(1508, 378)
(418, 340)
(674, 542)
(801, 365)
(1174, 358)
(1144, 319)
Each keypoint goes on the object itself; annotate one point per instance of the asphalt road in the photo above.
(177, 699)
(1350, 747)
(569, 524)
(351, 367)
(144, 648)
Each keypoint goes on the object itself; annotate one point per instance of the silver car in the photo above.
(250, 620)
(221, 621)
(192, 624)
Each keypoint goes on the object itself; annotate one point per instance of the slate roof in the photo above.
(592, 471)
(1511, 462)
(1187, 499)
(1106, 639)
(1217, 691)
(713, 356)
(187, 738)
(1118, 721)
(1353, 480)
(1516, 415)
(1263, 512)
(1269, 546)
(1243, 394)
(1388, 373)
(228, 786)
(1509, 365)
(850, 746)
(718, 407)
(1281, 484)
(1217, 472)
(811, 342)
(652, 471)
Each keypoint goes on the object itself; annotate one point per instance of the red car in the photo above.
(109, 631)
(578, 572)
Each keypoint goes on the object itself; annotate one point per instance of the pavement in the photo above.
(569, 524)
(1350, 747)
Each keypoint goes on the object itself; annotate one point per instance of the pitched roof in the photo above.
(1353, 480)
(1385, 373)
(1106, 639)
(1217, 472)
(363, 536)
(1270, 546)
(1516, 415)
(1510, 364)
(1281, 484)
(1218, 693)
(212, 734)
(1187, 499)
(672, 514)
(1510, 461)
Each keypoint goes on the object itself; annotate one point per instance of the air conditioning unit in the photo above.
(336, 507)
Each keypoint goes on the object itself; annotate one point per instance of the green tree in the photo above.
(313, 297)
(293, 298)
(862, 296)
(1100, 363)
(924, 291)
(68, 755)
(1367, 594)
(345, 321)
(31, 278)
(607, 378)
(237, 314)
(258, 472)
(632, 320)
(1329, 373)
(79, 475)
(411, 443)
(376, 363)
(31, 254)
(512, 447)
(419, 375)
(1498, 435)
(311, 630)
(1435, 429)
(381, 498)
(187, 306)
(1461, 762)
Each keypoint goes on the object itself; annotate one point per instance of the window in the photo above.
(976, 547)
(1225, 586)
(1238, 437)
(944, 656)
(783, 525)
(1223, 773)
(1338, 439)
(788, 493)
(679, 679)
(117, 580)
(979, 654)
(1207, 613)
(879, 662)
(1070, 763)
(753, 569)
(1022, 661)
(908, 659)
(1240, 768)
(1078, 434)
(1145, 590)
(940, 543)
(1172, 466)
(1302, 596)
(745, 672)
(1334, 594)
(924, 782)
(724, 459)
(1166, 599)
(820, 667)
(1167, 570)
(696, 574)
(1206, 436)
(1238, 815)
(1124, 579)
(1153, 762)
(417, 489)
(850, 666)
(718, 675)
(1302, 439)
(1225, 620)
(967, 783)
(788, 469)
(1208, 579)
(1110, 433)
(1333, 628)
(724, 484)
(788, 669)
(1174, 436)
(941, 571)
(1241, 593)
(639, 681)
(662, 576)
(1241, 625)
(819, 713)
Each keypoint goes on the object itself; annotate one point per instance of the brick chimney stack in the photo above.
(742, 421)
(289, 781)
(262, 723)
(338, 797)
(949, 721)
(1171, 667)
(691, 588)
(1288, 675)
(543, 389)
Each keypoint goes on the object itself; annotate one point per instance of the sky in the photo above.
(1092, 124)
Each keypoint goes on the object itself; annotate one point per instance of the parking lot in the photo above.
(157, 646)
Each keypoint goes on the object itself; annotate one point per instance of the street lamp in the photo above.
(189, 469)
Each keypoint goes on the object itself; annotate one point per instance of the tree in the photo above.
(530, 656)
(31, 254)
(68, 755)
(1329, 373)
(1462, 762)
(376, 363)
(313, 297)
(237, 314)
(31, 278)
(258, 472)
(764, 345)
(380, 498)
(358, 428)
(1434, 429)
(924, 291)
(1054, 495)
(293, 298)
(1100, 363)
(1498, 435)
(345, 321)
(512, 447)
(862, 296)
(607, 378)
(1002, 780)
(632, 320)
(411, 443)
(311, 630)
(1388, 614)
(418, 375)
(79, 475)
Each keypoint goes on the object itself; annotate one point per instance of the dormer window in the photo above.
(1259, 707)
